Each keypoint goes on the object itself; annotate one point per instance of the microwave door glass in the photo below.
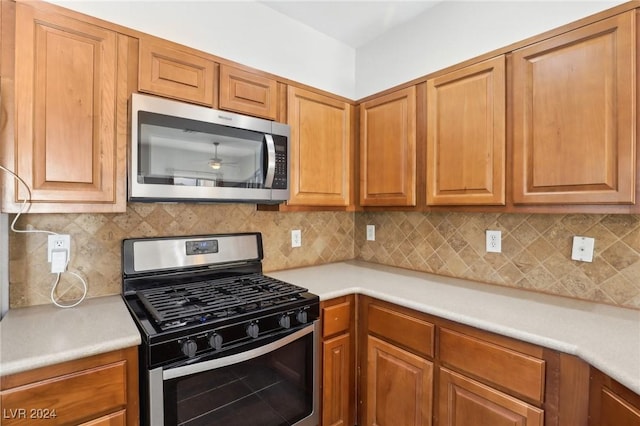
(192, 153)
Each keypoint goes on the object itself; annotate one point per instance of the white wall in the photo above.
(454, 31)
(255, 35)
(242, 31)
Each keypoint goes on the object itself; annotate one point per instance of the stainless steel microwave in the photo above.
(184, 152)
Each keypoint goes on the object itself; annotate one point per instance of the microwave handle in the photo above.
(271, 161)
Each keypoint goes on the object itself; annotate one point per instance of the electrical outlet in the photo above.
(59, 242)
(371, 232)
(494, 241)
(296, 238)
(582, 249)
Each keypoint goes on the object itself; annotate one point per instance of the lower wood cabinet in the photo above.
(396, 368)
(338, 361)
(611, 404)
(465, 402)
(399, 386)
(418, 369)
(100, 390)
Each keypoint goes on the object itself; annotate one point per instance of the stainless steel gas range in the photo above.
(222, 344)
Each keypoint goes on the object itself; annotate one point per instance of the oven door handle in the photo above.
(199, 367)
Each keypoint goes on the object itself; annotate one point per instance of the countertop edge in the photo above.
(573, 344)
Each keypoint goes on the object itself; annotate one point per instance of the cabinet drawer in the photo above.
(336, 319)
(508, 369)
(74, 397)
(407, 331)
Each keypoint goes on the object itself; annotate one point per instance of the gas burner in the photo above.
(202, 301)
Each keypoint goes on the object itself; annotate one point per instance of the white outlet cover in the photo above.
(582, 249)
(493, 241)
(371, 232)
(57, 242)
(296, 238)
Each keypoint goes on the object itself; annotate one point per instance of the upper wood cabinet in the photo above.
(574, 102)
(466, 135)
(321, 147)
(70, 113)
(388, 149)
(166, 69)
(248, 93)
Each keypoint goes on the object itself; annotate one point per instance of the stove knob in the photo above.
(215, 341)
(253, 330)
(189, 348)
(302, 316)
(284, 321)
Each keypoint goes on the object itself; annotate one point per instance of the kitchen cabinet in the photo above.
(322, 149)
(388, 149)
(396, 384)
(98, 390)
(610, 403)
(173, 71)
(338, 361)
(492, 385)
(249, 93)
(466, 143)
(574, 106)
(71, 90)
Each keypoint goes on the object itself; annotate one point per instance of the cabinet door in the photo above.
(574, 116)
(466, 135)
(399, 386)
(465, 402)
(69, 112)
(336, 383)
(610, 403)
(166, 70)
(321, 149)
(248, 93)
(388, 150)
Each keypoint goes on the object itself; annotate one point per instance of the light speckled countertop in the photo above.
(605, 336)
(43, 335)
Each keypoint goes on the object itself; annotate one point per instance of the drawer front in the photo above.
(72, 398)
(176, 74)
(248, 93)
(336, 319)
(511, 370)
(114, 419)
(412, 333)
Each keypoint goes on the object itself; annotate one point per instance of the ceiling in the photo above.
(352, 22)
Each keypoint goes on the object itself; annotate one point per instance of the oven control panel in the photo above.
(201, 247)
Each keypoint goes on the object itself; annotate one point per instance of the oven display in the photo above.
(201, 247)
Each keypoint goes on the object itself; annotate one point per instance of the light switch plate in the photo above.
(371, 232)
(296, 238)
(582, 249)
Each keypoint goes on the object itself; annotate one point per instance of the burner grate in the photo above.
(200, 301)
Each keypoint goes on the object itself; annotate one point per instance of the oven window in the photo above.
(273, 389)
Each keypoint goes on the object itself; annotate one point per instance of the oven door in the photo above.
(275, 384)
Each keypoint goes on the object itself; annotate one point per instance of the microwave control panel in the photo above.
(280, 175)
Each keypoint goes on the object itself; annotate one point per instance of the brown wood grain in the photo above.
(466, 137)
(248, 93)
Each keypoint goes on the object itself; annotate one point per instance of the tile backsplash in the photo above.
(96, 242)
(536, 249)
